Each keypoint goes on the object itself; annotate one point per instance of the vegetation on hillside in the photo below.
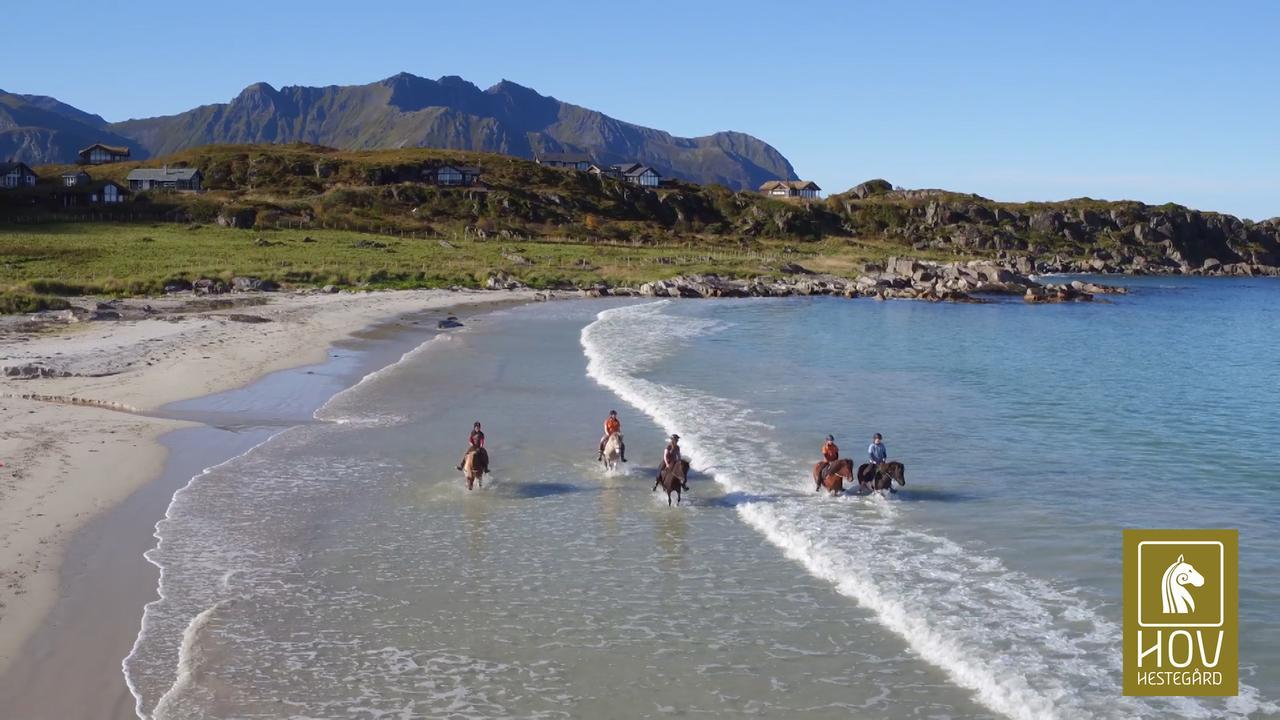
(309, 215)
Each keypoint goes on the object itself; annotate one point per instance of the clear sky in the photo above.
(1154, 101)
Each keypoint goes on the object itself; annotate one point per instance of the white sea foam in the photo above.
(340, 408)
(1026, 648)
(151, 608)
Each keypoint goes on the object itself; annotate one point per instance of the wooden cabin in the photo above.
(14, 175)
(76, 178)
(638, 174)
(99, 154)
(166, 178)
(567, 161)
(802, 189)
(99, 192)
(452, 175)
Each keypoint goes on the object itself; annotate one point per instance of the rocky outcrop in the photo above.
(503, 281)
(1075, 236)
(899, 278)
(253, 284)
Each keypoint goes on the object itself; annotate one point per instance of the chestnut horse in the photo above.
(838, 473)
(673, 480)
(475, 466)
(882, 476)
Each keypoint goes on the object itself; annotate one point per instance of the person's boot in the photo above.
(624, 453)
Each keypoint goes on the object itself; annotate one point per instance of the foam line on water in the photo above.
(1026, 648)
(182, 678)
(152, 556)
(330, 410)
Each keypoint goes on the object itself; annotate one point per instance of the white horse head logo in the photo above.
(1174, 595)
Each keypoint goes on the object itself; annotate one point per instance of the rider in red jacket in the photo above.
(475, 441)
(612, 425)
(830, 454)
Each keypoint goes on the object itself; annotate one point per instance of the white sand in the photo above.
(76, 450)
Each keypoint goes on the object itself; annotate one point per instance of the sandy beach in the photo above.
(77, 444)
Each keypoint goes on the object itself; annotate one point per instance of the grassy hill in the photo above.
(309, 215)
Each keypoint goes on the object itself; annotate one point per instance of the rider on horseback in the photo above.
(671, 459)
(877, 451)
(474, 442)
(830, 454)
(612, 426)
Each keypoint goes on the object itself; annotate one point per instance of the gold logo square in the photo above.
(1181, 630)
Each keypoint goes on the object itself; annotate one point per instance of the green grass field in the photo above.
(49, 260)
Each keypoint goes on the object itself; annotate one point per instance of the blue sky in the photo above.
(1154, 101)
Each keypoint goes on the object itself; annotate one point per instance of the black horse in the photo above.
(881, 476)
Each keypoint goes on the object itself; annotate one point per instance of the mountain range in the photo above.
(401, 111)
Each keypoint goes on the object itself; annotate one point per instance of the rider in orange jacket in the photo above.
(830, 454)
(612, 425)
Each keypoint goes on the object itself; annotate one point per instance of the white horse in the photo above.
(1175, 598)
(612, 451)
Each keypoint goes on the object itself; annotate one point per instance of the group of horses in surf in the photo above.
(674, 479)
(870, 477)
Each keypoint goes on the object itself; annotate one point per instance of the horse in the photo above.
(612, 451)
(673, 480)
(837, 473)
(880, 477)
(1174, 598)
(475, 466)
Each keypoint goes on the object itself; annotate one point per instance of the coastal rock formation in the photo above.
(1073, 236)
(900, 278)
(503, 281)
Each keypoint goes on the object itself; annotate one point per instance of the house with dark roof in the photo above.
(638, 174)
(802, 189)
(452, 175)
(75, 178)
(15, 175)
(568, 161)
(93, 192)
(98, 154)
(166, 178)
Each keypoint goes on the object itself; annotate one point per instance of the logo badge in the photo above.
(1181, 635)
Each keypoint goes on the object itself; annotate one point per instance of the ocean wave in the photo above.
(1027, 648)
(346, 407)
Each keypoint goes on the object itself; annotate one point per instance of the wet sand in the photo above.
(80, 501)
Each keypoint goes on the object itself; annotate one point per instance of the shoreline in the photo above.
(71, 489)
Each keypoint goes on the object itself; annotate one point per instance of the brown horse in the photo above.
(882, 476)
(475, 466)
(837, 473)
(673, 480)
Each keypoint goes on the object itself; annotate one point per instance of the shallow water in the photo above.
(342, 570)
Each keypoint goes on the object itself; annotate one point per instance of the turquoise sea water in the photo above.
(341, 570)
